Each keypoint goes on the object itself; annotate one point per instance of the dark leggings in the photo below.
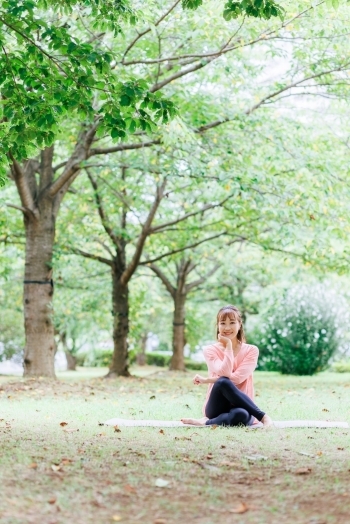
(228, 406)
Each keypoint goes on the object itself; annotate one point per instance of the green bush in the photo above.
(158, 359)
(195, 366)
(80, 359)
(103, 358)
(300, 333)
(342, 366)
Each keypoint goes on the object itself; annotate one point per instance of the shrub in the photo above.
(195, 366)
(158, 359)
(301, 331)
(342, 366)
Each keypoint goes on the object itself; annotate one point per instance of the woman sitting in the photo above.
(231, 363)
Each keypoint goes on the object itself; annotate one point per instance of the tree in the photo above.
(179, 292)
(152, 62)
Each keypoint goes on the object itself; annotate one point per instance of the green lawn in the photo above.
(82, 472)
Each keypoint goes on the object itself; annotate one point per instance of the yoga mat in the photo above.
(179, 424)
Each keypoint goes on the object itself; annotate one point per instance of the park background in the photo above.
(161, 161)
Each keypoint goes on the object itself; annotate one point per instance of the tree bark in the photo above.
(71, 362)
(141, 357)
(177, 360)
(120, 298)
(38, 293)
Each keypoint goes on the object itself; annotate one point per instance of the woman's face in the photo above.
(229, 327)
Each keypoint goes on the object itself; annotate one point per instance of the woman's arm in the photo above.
(198, 379)
(217, 366)
(246, 367)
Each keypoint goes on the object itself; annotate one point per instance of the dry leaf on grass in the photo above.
(240, 508)
(71, 430)
(129, 488)
(210, 456)
(161, 431)
(56, 467)
(63, 424)
(327, 410)
(255, 458)
(52, 500)
(161, 483)
(117, 430)
(33, 465)
(116, 518)
(160, 521)
(303, 471)
(152, 397)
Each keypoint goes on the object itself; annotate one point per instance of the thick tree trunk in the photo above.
(177, 360)
(120, 365)
(40, 346)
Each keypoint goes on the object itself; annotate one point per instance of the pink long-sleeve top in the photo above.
(239, 369)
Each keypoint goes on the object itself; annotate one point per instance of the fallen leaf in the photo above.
(116, 518)
(341, 449)
(63, 424)
(255, 458)
(305, 454)
(33, 465)
(222, 446)
(101, 424)
(209, 456)
(71, 430)
(66, 461)
(160, 521)
(161, 483)
(152, 397)
(214, 426)
(117, 430)
(324, 409)
(162, 431)
(303, 471)
(240, 508)
(52, 500)
(129, 488)
(56, 467)
(228, 463)
(319, 453)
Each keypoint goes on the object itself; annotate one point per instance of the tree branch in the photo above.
(131, 268)
(101, 211)
(77, 251)
(22, 186)
(205, 208)
(180, 250)
(122, 147)
(20, 208)
(140, 35)
(163, 278)
(80, 153)
(200, 281)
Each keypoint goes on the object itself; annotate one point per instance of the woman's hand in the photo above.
(198, 379)
(225, 341)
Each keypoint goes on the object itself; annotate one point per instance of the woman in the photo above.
(231, 363)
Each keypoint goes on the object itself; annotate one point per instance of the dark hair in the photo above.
(233, 313)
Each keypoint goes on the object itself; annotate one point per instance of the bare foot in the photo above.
(195, 421)
(267, 421)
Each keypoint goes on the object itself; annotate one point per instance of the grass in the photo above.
(94, 474)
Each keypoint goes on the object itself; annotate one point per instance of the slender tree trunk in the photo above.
(141, 357)
(71, 362)
(177, 360)
(38, 294)
(120, 365)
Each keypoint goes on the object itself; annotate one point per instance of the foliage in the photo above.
(157, 359)
(303, 329)
(341, 366)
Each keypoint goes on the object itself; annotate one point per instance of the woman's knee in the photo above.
(239, 416)
(223, 381)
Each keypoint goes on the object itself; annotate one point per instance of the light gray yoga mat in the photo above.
(178, 423)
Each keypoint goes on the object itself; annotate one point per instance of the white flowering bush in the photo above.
(303, 329)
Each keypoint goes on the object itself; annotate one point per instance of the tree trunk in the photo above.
(120, 365)
(40, 346)
(141, 357)
(71, 362)
(177, 360)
